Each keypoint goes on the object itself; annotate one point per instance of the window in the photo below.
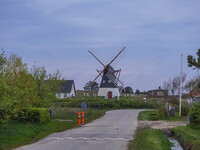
(160, 93)
(104, 81)
(59, 95)
(65, 95)
(109, 81)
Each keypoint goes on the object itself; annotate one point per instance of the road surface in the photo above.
(111, 132)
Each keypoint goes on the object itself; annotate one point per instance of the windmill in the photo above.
(110, 78)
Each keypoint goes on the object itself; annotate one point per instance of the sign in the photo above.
(84, 105)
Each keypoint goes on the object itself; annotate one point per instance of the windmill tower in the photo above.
(110, 78)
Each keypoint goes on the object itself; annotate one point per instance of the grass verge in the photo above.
(20, 133)
(149, 139)
(152, 115)
(189, 136)
(148, 115)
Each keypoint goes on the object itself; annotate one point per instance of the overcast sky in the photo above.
(57, 34)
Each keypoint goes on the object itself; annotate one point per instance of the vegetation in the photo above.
(132, 102)
(148, 115)
(18, 133)
(189, 136)
(35, 115)
(21, 88)
(127, 89)
(91, 86)
(194, 62)
(195, 114)
(173, 84)
(153, 115)
(149, 139)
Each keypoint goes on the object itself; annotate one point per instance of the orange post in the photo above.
(79, 119)
(83, 117)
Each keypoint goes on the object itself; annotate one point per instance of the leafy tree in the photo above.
(194, 62)
(137, 92)
(47, 85)
(127, 89)
(21, 88)
(91, 86)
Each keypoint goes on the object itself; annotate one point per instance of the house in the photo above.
(67, 89)
(158, 93)
(194, 95)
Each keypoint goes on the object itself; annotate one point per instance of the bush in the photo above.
(35, 115)
(162, 113)
(194, 114)
(185, 109)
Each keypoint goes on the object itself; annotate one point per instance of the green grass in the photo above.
(190, 134)
(152, 115)
(149, 139)
(148, 115)
(20, 133)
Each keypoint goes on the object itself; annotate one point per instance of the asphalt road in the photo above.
(111, 132)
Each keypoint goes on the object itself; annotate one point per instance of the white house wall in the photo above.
(62, 95)
(72, 93)
(104, 92)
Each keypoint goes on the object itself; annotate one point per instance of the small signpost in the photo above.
(84, 105)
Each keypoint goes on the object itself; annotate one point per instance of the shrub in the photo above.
(36, 115)
(185, 109)
(162, 113)
(194, 114)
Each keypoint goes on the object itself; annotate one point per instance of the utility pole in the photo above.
(180, 87)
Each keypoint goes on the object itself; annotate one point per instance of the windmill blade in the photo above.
(96, 58)
(117, 55)
(97, 76)
(99, 72)
(115, 77)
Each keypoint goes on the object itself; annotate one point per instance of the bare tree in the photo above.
(173, 84)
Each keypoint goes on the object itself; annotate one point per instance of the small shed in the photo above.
(67, 89)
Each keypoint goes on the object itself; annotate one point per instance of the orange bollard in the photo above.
(83, 118)
(79, 119)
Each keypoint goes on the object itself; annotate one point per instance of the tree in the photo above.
(194, 62)
(91, 86)
(127, 89)
(173, 84)
(47, 85)
(137, 91)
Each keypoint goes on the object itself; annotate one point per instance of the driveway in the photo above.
(111, 132)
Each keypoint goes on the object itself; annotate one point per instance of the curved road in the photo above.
(111, 132)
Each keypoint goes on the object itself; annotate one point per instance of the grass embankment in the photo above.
(149, 139)
(152, 115)
(188, 136)
(20, 133)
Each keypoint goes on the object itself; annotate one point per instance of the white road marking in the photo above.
(91, 138)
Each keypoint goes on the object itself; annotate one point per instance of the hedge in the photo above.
(35, 115)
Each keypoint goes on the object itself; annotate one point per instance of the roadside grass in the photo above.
(190, 134)
(148, 115)
(20, 133)
(149, 139)
(151, 115)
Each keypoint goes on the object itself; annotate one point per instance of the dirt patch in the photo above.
(162, 124)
